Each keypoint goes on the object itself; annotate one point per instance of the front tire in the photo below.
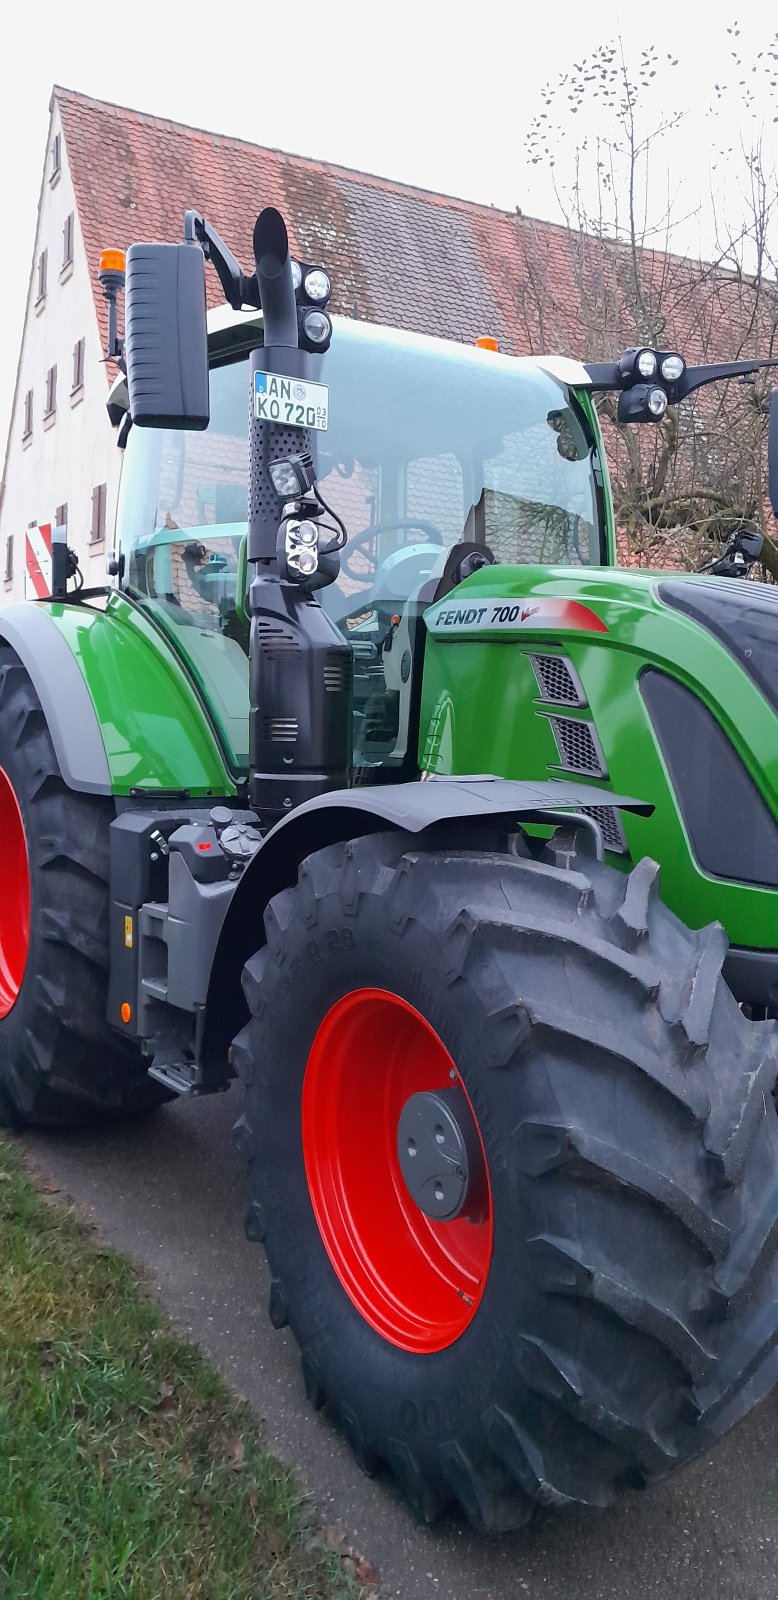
(627, 1311)
(59, 1060)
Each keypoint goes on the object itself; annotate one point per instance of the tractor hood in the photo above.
(654, 684)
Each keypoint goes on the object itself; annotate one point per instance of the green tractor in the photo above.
(355, 784)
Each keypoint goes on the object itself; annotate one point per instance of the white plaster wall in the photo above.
(65, 460)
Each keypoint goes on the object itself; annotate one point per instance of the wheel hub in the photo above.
(437, 1147)
(414, 1265)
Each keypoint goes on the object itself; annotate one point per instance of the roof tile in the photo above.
(397, 254)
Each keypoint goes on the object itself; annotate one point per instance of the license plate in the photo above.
(291, 401)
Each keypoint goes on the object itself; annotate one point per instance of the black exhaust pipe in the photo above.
(274, 276)
(280, 353)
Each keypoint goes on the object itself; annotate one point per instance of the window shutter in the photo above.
(98, 513)
(67, 241)
(56, 157)
(51, 391)
(9, 558)
(43, 264)
(27, 415)
(61, 516)
(78, 364)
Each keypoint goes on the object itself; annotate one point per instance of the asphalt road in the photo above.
(170, 1192)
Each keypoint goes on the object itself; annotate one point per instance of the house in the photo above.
(397, 254)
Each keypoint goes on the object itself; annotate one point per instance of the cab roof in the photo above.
(236, 332)
(236, 329)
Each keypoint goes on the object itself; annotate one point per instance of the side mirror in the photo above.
(744, 548)
(165, 336)
(772, 452)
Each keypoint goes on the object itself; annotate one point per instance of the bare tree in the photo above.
(607, 279)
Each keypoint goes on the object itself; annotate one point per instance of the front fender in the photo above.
(124, 716)
(67, 704)
(351, 813)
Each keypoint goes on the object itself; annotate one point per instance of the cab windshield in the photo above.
(428, 444)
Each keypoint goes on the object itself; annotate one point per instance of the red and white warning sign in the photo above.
(38, 556)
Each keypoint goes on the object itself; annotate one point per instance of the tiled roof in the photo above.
(404, 256)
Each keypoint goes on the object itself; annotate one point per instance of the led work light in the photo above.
(317, 285)
(672, 367)
(293, 476)
(315, 330)
(301, 548)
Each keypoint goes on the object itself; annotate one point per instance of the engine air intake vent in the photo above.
(280, 730)
(338, 671)
(276, 639)
(610, 827)
(578, 746)
(558, 680)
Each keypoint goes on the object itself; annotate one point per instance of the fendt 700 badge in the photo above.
(291, 401)
(498, 613)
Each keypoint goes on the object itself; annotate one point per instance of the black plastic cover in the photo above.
(743, 616)
(273, 441)
(166, 341)
(731, 830)
(199, 845)
(301, 671)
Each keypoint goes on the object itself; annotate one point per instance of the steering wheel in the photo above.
(432, 533)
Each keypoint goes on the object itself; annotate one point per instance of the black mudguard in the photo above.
(352, 813)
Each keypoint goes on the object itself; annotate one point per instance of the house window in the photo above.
(56, 158)
(61, 516)
(43, 267)
(78, 365)
(51, 392)
(98, 513)
(67, 241)
(9, 559)
(27, 430)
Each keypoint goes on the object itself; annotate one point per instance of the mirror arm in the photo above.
(238, 289)
(695, 377)
(604, 374)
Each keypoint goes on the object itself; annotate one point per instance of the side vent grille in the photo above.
(610, 827)
(277, 640)
(558, 680)
(280, 730)
(578, 746)
(337, 672)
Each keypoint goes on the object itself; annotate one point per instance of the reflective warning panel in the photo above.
(37, 581)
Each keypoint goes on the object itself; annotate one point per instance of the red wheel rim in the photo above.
(14, 899)
(418, 1282)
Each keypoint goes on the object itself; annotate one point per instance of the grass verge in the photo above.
(127, 1468)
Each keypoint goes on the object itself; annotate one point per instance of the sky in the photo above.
(435, 94)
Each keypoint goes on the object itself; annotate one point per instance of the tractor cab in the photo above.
(437, 458)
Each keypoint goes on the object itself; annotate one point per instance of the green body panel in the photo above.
(156, 731)
(481, 712)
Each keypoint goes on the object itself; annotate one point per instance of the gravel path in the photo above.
(170, 1193)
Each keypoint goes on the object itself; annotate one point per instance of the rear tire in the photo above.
(629, 1315)
(59, 1060)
